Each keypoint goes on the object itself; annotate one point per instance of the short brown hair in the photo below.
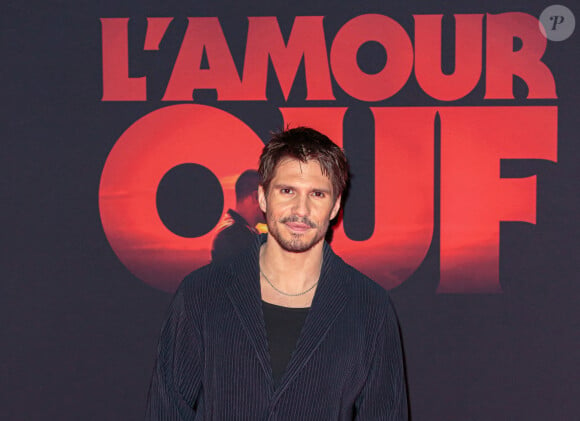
(304, 144)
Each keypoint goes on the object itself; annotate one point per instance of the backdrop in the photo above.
(126, 124)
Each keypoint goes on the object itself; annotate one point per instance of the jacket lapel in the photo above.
(244, 293)
(328, 303)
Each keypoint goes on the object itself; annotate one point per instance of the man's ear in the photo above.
(335, 208)
(262, 198)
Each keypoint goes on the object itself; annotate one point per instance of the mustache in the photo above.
(301, 220)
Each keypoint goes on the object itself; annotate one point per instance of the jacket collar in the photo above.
(329, 301)
(235, 217)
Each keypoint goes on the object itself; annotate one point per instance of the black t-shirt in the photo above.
(283, 326)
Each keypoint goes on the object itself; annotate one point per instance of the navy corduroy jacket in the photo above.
(213, 361)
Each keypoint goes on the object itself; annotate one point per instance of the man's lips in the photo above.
(298, 226)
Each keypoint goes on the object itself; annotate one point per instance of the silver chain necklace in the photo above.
(285, 293)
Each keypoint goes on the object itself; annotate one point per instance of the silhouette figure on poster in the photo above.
(237, 230)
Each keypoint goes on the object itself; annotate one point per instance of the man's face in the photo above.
(299, 204)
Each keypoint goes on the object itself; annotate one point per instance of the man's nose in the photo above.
(301, 206)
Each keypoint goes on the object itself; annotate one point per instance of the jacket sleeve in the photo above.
(384, 395)
(174, 393)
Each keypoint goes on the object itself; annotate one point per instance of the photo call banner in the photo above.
(127, 125)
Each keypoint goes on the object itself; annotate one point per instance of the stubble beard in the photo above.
(296, 242)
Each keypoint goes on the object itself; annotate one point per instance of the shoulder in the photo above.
(203, 285)
(232, 238)
(210, 276)
(365, 294)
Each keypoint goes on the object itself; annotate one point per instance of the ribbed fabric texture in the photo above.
(213, 359)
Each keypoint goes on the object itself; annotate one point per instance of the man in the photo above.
(237, 230)
(286, 331)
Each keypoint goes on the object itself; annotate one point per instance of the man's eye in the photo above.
(285, 191)
(318, 194)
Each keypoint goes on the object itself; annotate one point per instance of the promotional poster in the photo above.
(126, 125)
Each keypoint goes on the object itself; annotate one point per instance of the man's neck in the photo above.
(290, 272)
